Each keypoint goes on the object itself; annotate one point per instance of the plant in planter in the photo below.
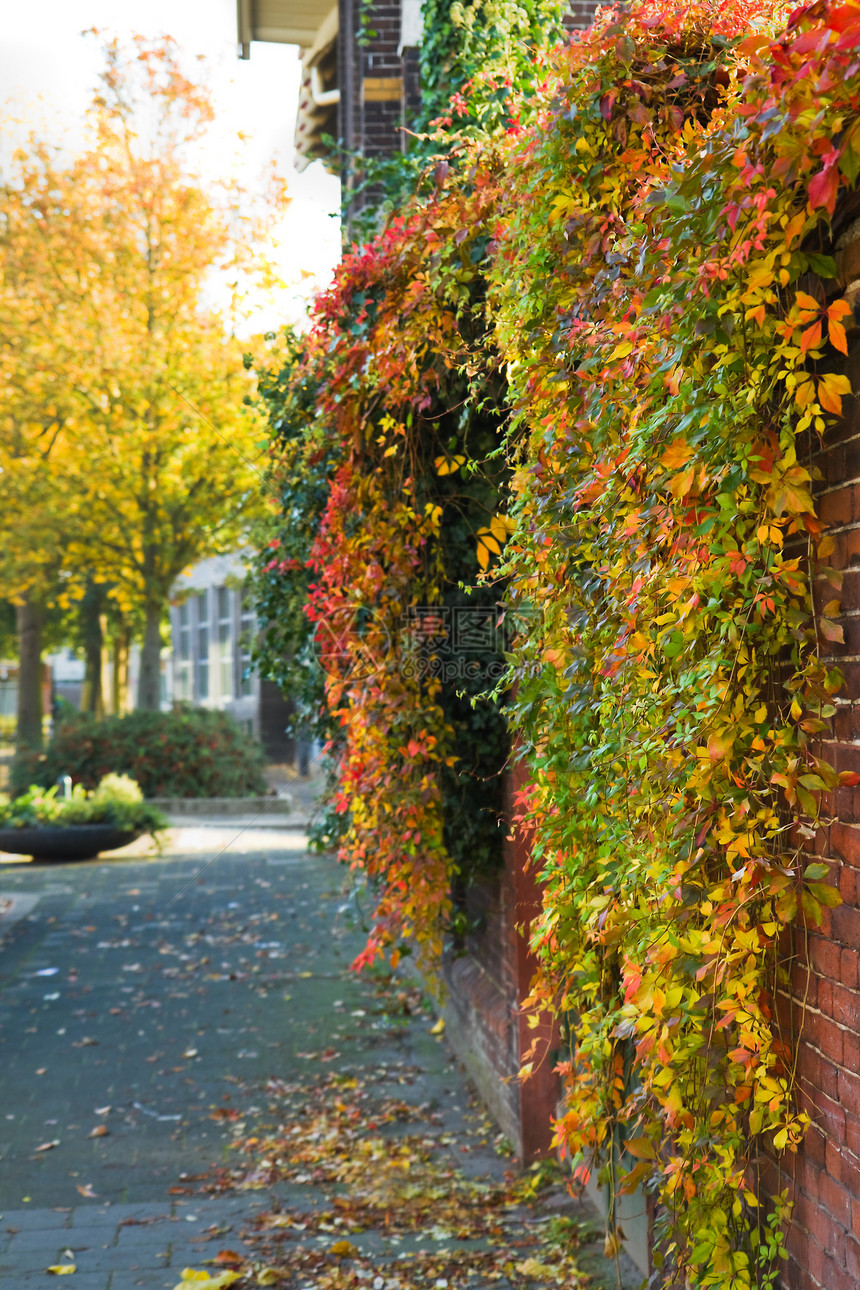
(77, 827)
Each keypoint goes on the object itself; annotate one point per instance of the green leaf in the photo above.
(823, 265)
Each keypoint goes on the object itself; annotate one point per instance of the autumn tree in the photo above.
(126, 428)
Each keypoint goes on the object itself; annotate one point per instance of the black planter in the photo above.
(65, 841)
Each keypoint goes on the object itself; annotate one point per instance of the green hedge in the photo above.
(189, 752)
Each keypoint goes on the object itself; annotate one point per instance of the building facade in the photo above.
(212, 627)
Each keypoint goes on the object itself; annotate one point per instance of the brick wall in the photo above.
(487, 981)
(823, 1013)
(380, 88)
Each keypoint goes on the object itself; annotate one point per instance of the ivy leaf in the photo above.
(822, 265)
(488, 546)
(831, 631)
(830, 390)
(643, 1148)
(826, 894)
(448, 465)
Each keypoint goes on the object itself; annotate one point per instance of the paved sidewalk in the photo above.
(140, 996)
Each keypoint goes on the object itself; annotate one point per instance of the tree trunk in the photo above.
(92, 695)
(149, 685)
(119, 680)
(29, 622)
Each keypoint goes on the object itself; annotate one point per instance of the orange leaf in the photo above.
(806, 301)
(810, 337)
(677, 454)
(830, 390)
(837, 335)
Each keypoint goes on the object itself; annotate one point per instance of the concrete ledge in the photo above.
(223, 807)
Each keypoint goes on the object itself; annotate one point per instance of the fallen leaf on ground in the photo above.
(100, 1131)
(344, 1249)
(62, 1269)
(439, 1027)
(48, 1146)
(87, 1190)
(193, 1279)
(227, 1256)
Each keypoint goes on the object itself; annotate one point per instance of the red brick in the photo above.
(830, 1236)
(837, 507)
(814, 1146)
(835, 1199)
(833, 1160)
(829, 1114)
(824, 957)
(849, 1091)
(845, 840)
(805, 985)
(846, 1006)
(826, 1035)
(851, 1051)
(815, 1260)
(832, 464)
(818, 1073)
(845, 802)
(850, 1164)
(845, 925)
(852, 1134)
(849, 966)
(848, 595)
(852, 1258)
(846, 723)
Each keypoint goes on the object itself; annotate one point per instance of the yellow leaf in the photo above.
(447, 465)
(794, 227)
(193, 1278)
(534, 1270)
(439, 1027)
(681, 484)
(344, 1250)
(642, 1148)
(63, 1269)
(487, 546)
(269, 1277)
(805, 392)
(500, 527)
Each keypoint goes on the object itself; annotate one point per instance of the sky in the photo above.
(48, 70)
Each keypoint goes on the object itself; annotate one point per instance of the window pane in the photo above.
(225, 643)
(203, 645)
(247, 625)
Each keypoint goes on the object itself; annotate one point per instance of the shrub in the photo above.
(189, 752)
(117, 800)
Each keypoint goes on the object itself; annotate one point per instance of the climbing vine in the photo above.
(668, 303)
(583, 374)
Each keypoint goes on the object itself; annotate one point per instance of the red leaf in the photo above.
(823, 188)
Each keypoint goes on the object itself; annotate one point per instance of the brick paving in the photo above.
(139, 995)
